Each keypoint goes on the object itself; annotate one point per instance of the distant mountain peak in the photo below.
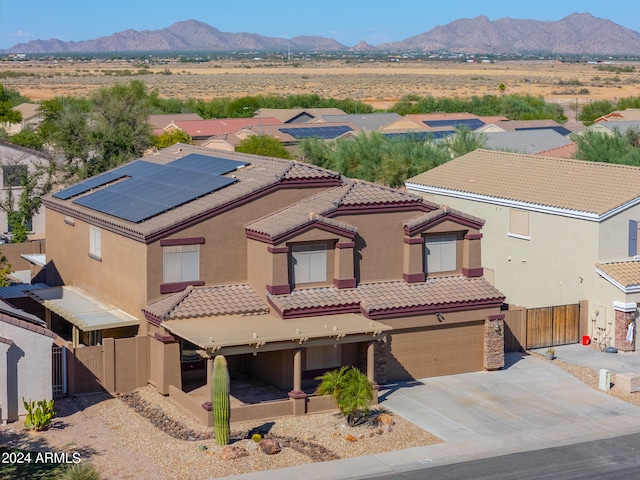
(577, 33)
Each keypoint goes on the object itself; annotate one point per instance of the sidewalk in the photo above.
(529, 405)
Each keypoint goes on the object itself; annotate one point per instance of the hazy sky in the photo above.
(348, 21)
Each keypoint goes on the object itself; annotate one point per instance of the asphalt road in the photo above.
(612, 458)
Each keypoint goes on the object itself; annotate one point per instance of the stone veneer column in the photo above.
(494, 342)
(625, 313)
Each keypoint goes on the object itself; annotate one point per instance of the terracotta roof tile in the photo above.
(626, 274)
(387, 296)
(26, 325)
(208, 301)
(428, 217)
(564, 151)
(439, 291)
(575, 185)
(352, 193)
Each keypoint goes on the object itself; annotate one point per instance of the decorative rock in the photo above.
(350, 438)
(202, 447)
(232, 452)
(386, 419)
(269, 446)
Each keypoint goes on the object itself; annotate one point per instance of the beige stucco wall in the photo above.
(118, 279)
(543, 270)
(223, 257)
(614, 235)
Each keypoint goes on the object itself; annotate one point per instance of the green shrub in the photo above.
(79, 471)
(39, 415)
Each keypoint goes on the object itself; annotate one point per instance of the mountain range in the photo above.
(576, 34)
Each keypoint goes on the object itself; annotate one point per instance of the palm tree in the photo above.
(502, 87)
(351, 389)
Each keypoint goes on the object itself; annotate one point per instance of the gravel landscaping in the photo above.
(143, 435)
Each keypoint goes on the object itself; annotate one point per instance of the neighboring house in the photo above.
(296, 115)
(629, 114)
(281, 266)
(549, 221)
(290, 135)
(30, 118)
(565, 151)
(435, 125)
(610, 126)
(160, 122)
(25, 361)
(364, 122)
(16, 161)
(201, 131)
(523, 125)
(525, 141)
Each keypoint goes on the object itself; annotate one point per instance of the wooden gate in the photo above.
(548, 326)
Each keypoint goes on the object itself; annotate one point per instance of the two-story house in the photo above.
(557, 231)
(285, 268)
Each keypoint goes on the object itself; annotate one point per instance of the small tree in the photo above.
(5, 270)
(502, 88)
(263, 145)
(351, 389)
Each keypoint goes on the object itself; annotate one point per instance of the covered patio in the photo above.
(274, 348)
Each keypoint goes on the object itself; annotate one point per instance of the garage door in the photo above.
(435, 351)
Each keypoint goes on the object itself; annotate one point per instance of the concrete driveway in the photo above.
(529, 405)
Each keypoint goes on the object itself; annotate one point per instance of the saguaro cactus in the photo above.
(220, 399)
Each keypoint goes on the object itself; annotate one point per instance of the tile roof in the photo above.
(512, 125)
(576, 185)
(368, 121)
(261, 173)
(389, 298)
(219, 126)
(525, 141)
(443, 210)
(564, 151)
(628, 114)
(626, 274)
(621, 125)
(21, 319)
(354, 193)
(209, 301)
(286, 114)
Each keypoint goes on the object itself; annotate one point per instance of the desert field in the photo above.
(379, 84)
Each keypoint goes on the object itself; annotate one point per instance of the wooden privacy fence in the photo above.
(117, 366)
(541, 327)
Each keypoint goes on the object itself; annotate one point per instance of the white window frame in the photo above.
(308, 263)
(440, 253)
(180, 263)
(95, 243)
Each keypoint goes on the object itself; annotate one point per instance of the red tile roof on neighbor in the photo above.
(26, 325)
(353, 194)
(194, 302)
(564, 151)
(389, 299)
(220, 126)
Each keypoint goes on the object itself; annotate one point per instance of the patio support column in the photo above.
(209, 395)
(297, 395)
(371, 363)
(75, 337)
(47, 317)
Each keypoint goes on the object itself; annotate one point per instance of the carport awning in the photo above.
(81, 309)
(214, 333)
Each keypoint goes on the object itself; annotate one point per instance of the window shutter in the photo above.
(633, 238)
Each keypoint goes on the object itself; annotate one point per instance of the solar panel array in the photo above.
(147, 189)
(470, 123)
(435, 135)
(556, 128)
(317, 132)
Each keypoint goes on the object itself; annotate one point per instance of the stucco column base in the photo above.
(207, 406)
(299, 399)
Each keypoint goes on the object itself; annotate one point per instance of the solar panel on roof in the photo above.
(89, 184)
(435, 135)
(137, 199)
(556, 128)
(470, 123)
(317, 132)
(206, 164)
